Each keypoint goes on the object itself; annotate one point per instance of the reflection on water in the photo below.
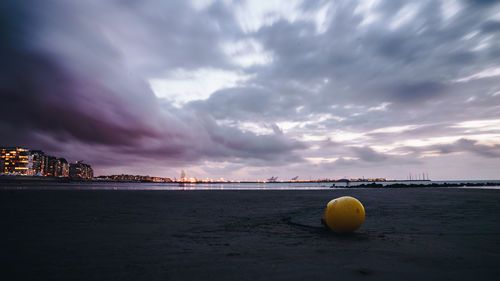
(218, 186)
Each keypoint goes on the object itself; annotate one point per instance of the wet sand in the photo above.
(408, 234)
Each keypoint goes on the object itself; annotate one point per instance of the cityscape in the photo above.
(21, 161)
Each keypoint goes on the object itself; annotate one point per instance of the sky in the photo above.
(246, 90)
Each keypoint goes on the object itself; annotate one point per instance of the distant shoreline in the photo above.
(20, 178)
(334, 184)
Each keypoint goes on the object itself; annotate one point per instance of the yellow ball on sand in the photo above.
(344, 214)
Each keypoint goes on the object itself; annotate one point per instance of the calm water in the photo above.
(206, 186)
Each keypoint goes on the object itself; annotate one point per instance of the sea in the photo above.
(231, 185)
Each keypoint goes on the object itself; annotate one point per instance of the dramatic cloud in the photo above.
(247, 90)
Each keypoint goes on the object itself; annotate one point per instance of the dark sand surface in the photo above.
(409, 234)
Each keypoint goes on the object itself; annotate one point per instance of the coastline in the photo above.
(60, 181)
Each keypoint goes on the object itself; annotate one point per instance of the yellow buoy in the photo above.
(344, 214)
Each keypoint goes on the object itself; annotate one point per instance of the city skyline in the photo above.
(21, 161)
(247, 90)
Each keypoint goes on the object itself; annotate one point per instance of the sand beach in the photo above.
(408, 234)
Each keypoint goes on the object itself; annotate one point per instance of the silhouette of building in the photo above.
(39, 162)
(52, 166)
(80, 170)
(64, 168)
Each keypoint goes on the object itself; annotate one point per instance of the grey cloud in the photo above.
(470, 146)
(483, 150)
(482, 2)
(238, 103)
(491, 26)
(461, 58)
(371, 162)
(170, 34)
(461, 145)
(344, 162)
(276, 129)
(417, 91)
(248, 103)
(368, 154)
